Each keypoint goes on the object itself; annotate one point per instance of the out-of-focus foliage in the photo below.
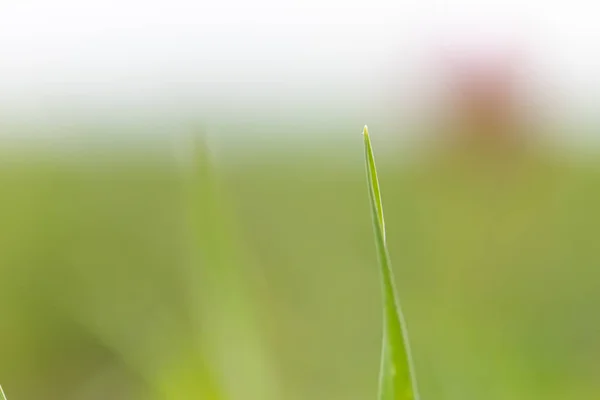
(104, 291)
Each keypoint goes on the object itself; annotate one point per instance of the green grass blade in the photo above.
(396, 377)
(229, 324)
(2, 395)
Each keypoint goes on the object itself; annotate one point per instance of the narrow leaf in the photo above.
(2, 395)
(396, 376)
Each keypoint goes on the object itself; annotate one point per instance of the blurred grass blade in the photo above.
(396, 377)
(227, 306)
(2, 395)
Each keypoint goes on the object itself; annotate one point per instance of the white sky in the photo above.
(126, 53)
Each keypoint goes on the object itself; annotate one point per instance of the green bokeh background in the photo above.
(131, 274)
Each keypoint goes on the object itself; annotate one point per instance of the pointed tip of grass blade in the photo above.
(373, 181)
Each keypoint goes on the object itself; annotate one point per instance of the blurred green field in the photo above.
(133, 276)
